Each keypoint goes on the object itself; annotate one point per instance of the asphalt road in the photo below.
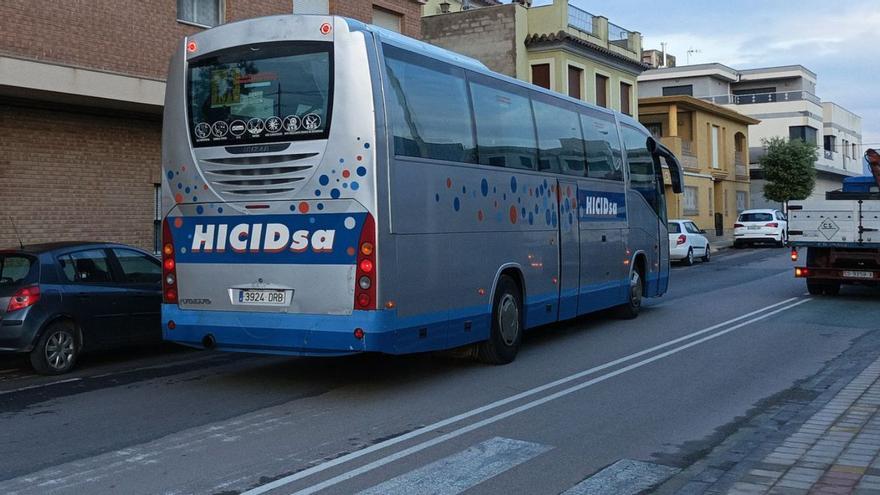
(730, 337)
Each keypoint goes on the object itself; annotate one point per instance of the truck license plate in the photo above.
(272, 297)
(857, 274)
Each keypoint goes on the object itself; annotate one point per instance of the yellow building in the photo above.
(711, 142)
(557, 46)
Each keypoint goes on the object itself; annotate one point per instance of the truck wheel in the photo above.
(506, 331)
(817, 288)
(631, 309)
(832, 288)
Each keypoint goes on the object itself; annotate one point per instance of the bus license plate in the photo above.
(263, 297)
(857, 274)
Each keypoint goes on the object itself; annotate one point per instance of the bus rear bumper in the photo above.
(279, 333)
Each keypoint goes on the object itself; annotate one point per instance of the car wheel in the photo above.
(706, 257)
(57, 350)
(505, 334)
(737, 245)
(689, 259)
(633, 306)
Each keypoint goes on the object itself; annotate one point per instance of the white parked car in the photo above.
(686, 241)
(758, 226)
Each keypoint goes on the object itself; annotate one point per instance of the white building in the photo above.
(784, 100)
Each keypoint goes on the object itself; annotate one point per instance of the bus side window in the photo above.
(505, 127)
(428, 109)
(560, 144)
(642, 176)
(604, 160)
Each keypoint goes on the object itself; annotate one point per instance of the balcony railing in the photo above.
(781, 96)
(580, 19)
(618, 36)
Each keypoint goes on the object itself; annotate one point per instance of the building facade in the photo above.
(81, 95)
(711, 142)
(558, 46)
(784, 100)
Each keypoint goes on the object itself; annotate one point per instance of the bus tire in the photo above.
(631, 308)
(505, 334)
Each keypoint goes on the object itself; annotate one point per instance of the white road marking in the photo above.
(494, 405)
(459, 472)
(624, 477)
(41, 385)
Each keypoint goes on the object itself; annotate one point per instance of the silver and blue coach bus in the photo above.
(331, 187)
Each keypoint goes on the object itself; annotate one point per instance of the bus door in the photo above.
(569, 248)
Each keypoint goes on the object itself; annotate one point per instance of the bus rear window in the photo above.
(260, 93)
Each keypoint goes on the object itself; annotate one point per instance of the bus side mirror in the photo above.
(676, 173)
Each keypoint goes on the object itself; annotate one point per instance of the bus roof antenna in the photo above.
(15, 229)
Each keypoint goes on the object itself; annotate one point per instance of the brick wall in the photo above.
(74, 176)
(137, 37)
(487, 34)
(411, 10)
(133, 37)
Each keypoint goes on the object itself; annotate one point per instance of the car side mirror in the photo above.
(702, 231)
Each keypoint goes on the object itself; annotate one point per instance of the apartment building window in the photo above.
(601, 90)
(829, 143)
(541, 75)
(687, 90)
(691, 204)
(575, 80)
(626, 98)
(714, 133)
(741, 201)
(804, 133)
(206, 13)
(391, 21)
(855, 151)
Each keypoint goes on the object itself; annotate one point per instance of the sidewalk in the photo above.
(822, 437)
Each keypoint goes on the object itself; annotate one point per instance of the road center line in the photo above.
(494, 405)
(525, 407)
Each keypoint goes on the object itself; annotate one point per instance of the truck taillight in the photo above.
(681, 240)
(24, 297)
(801, 272)
(365, 278)
(772, 224)
(794, 254)
(169, 266)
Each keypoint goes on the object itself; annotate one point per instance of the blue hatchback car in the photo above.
(59, 300)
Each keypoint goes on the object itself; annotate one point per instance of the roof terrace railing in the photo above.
(580, 19)
(750, 99)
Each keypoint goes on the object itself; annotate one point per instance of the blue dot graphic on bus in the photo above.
(504, 196)
(463, 190)
(170, 175)
(536, 209)
(345, 185)
(334, 193)
(187, 190)
(323, 180)
(342, 160)
(554, 218)
(437, 197)
(355, 186)
(220, 210)
(320, 206)
(311, 219)
(513, 183)
(195, 198)
(523, 212)
(317, 192)
(547, 216)
(484, 187)
(367, 145)
(200, 209)
(456, 204)
(361, 171)
(179, 185)
(531, 218)
(292, 207)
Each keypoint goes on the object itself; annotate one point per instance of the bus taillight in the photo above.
(169, 266)
(365, 279)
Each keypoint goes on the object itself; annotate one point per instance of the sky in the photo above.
(839, 41)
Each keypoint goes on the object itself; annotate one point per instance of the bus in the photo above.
(331, 187)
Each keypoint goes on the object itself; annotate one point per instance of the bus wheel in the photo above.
(505, 335)
(632, 307)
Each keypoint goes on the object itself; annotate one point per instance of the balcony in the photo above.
(781, 96)
(619, 37)
(742, 169)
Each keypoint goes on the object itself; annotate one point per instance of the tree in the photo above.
(789, 168)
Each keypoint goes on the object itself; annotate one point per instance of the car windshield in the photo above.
(16, 269)
(756, 217)
(674, 228)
